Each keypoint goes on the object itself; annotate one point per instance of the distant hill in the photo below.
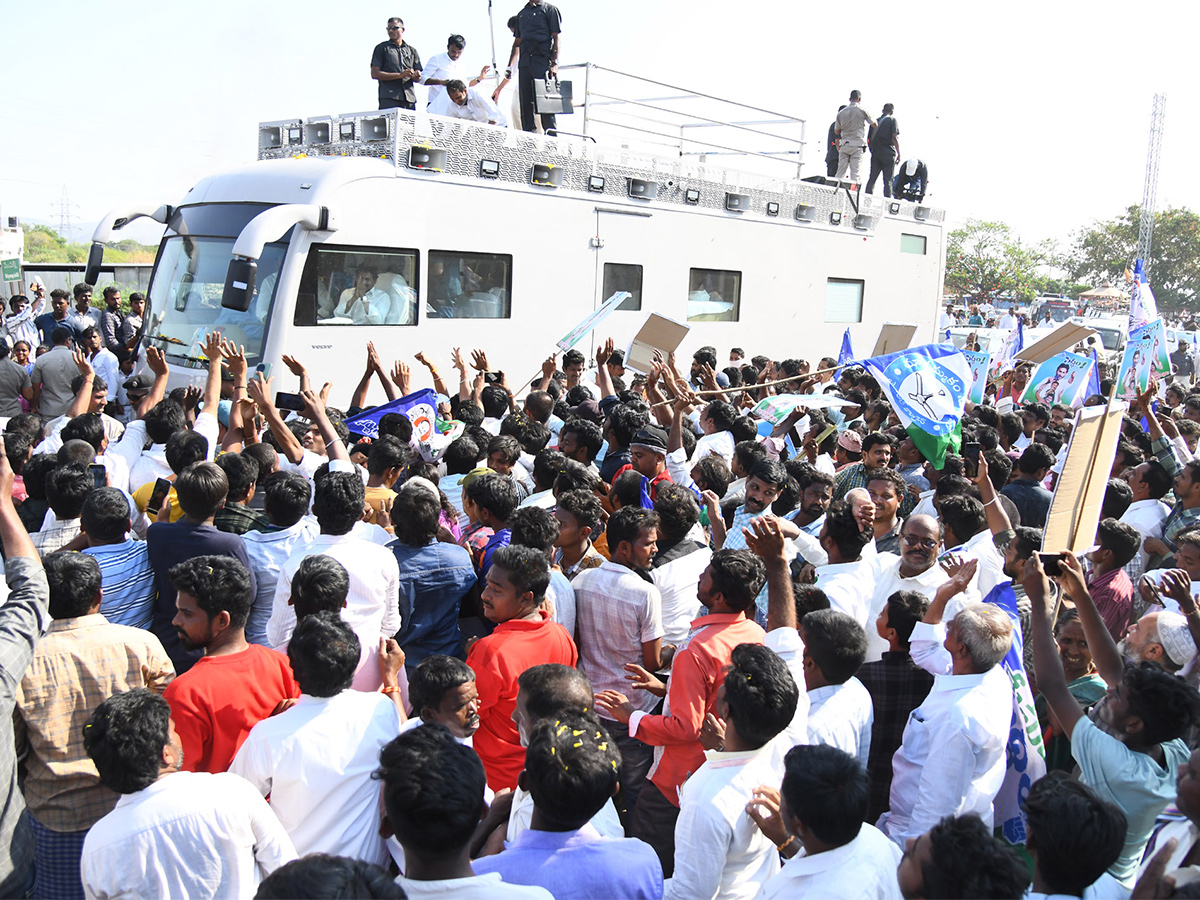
(45, 245)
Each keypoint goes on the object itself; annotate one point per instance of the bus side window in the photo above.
(469, 285)
(343, 285)
(714, 295)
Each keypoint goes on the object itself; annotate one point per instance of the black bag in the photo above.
(551, 96)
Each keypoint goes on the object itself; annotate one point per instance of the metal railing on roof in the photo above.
(689, 123)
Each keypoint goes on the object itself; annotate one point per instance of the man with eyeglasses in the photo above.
(396, 66)
(915, 569)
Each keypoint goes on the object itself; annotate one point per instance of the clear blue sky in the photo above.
(1031, 113)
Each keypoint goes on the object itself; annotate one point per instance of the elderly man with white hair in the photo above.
(951, 761)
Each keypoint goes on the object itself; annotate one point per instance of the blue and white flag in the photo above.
(927, 387)
(420, 407)
(846, 354)
(1143, 307)
(1026, 758)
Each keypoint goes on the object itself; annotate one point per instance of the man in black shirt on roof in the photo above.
(396, 65)
(884, 142)
(535, 37)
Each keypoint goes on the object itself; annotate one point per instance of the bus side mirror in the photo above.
(239, 284)
(91, 274)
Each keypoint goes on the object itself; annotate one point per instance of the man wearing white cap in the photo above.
(1160, 637)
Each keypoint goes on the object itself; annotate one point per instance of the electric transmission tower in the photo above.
(66, 216)
(1146, 214)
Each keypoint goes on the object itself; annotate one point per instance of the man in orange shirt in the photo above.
(524, 637)
(727, 589)
(235, 684)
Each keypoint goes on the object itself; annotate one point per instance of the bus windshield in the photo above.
(186, 293)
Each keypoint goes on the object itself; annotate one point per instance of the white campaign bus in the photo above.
(422, 233)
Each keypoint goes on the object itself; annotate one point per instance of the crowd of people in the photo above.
(608, 635)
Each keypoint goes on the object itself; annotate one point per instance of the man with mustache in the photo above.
(235, 684)
(915, 569)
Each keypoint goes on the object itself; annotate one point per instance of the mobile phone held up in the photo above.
(970, 452)
(158, 496)
(99, 475)
(1051, 563)
(284, 400)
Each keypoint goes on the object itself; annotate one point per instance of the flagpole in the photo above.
(492, 32)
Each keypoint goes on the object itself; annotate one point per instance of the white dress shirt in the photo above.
(848, 586)
(888, 581)
(190, 834)
(1147, 517)
(951, 761)
(719, 850)
(315, 761)
(991, 567)
(443, 68)
(268, 551)
(105, 365)
(841, 716)
(864, 869)
(372, 607)
(478, 108)
(719, 443)
(677, 581)
(789, 647)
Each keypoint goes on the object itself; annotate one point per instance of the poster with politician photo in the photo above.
(1145, 359)
(1062, 378)
(979, 364)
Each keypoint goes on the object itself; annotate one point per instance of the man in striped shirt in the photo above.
(127, 577)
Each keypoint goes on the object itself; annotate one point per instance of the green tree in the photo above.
(45, 245)
(1104, 251)
(986, 258)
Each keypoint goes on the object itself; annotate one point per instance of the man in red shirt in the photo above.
(524, 637)
(235, 684)
(727, 589)
(1110, 587)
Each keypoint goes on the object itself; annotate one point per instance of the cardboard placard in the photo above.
(658, 333)
(893, 337)
(1063, 338)
(1079, 492)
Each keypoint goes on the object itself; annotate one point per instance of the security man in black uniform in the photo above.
(535, 37)
(396, 65)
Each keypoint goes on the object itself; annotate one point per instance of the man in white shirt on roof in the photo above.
(840, 711)
(819, 826)
(232, 838)
(316, 759)
(441, 69)
(952, 759)
(462, 102)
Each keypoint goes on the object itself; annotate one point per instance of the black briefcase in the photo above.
(552, 97)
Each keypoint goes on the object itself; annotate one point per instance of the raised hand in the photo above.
(82, 363)
(213, 346)
(259, 389)
(456, 358)
(156, 360)
(479, 360)
(373, 360)
(765, 538)
(400, 375)
(604, 352)
(236, 357)
(295, 366)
